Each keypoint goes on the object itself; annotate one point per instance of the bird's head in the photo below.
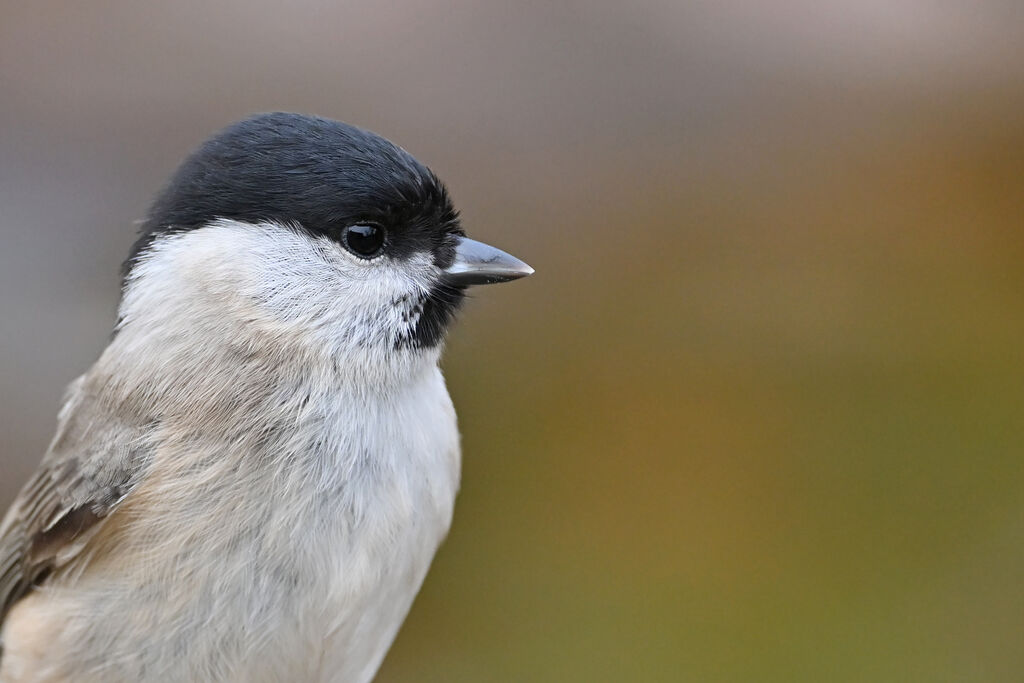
(305, 228)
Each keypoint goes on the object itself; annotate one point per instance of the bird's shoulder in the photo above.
(93, 463)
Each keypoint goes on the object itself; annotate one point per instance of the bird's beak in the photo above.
(477, 263)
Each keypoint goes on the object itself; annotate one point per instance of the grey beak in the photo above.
(477, 263)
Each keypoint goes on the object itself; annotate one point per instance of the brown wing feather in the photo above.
(42, 526)
(93, 463)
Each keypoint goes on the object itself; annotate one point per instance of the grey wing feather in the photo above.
(93, 463)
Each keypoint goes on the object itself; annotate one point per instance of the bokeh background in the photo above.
(759, 416)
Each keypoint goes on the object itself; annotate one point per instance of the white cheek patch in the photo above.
(382, 298)
(288, 281)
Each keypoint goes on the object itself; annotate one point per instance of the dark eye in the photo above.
(365, 241)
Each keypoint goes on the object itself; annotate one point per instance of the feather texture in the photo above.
(250, 483)
(69, 496)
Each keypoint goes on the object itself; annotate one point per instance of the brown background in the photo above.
(758, 415)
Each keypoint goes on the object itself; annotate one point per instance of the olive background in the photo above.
(758, 416)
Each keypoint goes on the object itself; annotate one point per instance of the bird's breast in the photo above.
(379, 500)
(291, 551)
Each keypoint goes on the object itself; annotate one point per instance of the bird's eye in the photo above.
(364, 240)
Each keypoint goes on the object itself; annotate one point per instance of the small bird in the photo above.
(252, 480)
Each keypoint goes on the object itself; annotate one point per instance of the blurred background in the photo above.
(759, 416)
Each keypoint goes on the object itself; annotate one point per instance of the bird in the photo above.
(252, 480)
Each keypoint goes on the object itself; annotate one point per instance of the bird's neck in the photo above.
(179, 350)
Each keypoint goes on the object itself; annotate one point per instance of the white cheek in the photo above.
(366, 302)
(289, 282)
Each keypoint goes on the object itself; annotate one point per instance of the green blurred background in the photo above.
(759, 415)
